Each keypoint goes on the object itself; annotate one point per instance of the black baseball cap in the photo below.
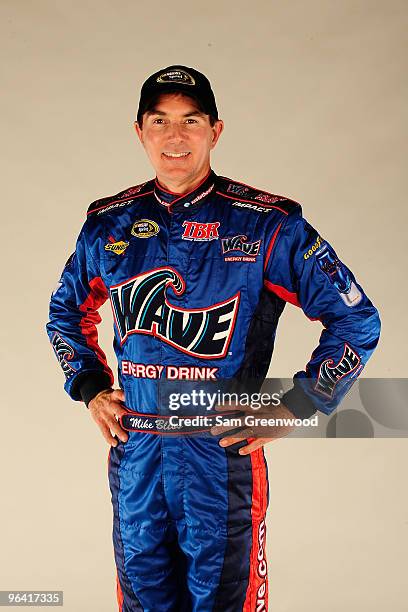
(178, 79)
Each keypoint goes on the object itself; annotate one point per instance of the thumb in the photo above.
(118, 394)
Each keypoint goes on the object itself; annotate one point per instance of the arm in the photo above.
(73, 317)
(73, 335)
(304, 269)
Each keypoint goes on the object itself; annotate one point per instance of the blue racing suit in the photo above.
(197, 283)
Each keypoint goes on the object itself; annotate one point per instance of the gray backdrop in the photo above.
(314, 95)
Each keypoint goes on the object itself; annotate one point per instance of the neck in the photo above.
(183, 186)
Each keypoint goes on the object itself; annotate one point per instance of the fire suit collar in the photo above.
(186, 201)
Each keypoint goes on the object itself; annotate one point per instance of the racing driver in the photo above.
(198, 269)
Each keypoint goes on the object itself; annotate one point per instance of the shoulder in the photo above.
(120, 200)
(245, 197)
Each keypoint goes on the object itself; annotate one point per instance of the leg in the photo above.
(145, 541)
(223, 531)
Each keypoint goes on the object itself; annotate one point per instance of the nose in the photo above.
(175, 132)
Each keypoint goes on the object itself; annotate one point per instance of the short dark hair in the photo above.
(154, 100)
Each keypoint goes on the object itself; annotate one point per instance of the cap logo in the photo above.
(176, 76)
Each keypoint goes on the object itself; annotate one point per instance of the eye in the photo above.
(190, 120)
(158, 120)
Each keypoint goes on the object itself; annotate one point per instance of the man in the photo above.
(198, 269)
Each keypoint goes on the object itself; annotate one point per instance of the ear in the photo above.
(216, 129)
(138, 131)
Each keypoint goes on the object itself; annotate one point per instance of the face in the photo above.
(178, 139)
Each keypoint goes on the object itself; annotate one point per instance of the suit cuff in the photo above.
(93, 383)
(298, 401)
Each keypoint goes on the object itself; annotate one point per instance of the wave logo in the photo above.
(140, 306)
(239, 243)
(64, 353)
(330, 373)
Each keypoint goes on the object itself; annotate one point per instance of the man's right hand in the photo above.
(106, 409)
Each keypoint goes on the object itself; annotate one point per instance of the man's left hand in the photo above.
(248, 433)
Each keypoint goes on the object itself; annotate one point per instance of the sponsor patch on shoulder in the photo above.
(268, 198)
(252, 206)
(315, 247)
(338, 275)
(237, 188)
(120, 200)
(113, 206)
(133, 190)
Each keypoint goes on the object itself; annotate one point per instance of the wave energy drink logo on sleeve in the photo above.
(64, 353)
(330, 373)
(140, 306)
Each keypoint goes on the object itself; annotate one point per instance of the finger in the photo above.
(117, 430)
(118, 395)
(246, 433)
(228, 408)
(108, 436)
(243, 435)
(119, 413)
(244, 410)
(116, 410)
(229, 441)
(220, 429)
(252, 446)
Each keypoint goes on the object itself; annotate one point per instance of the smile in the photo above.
(176, 155)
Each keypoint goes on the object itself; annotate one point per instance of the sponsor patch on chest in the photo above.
(237, 248)
(145, 228)
(200, 231)
(117, 247)
(141, 306)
